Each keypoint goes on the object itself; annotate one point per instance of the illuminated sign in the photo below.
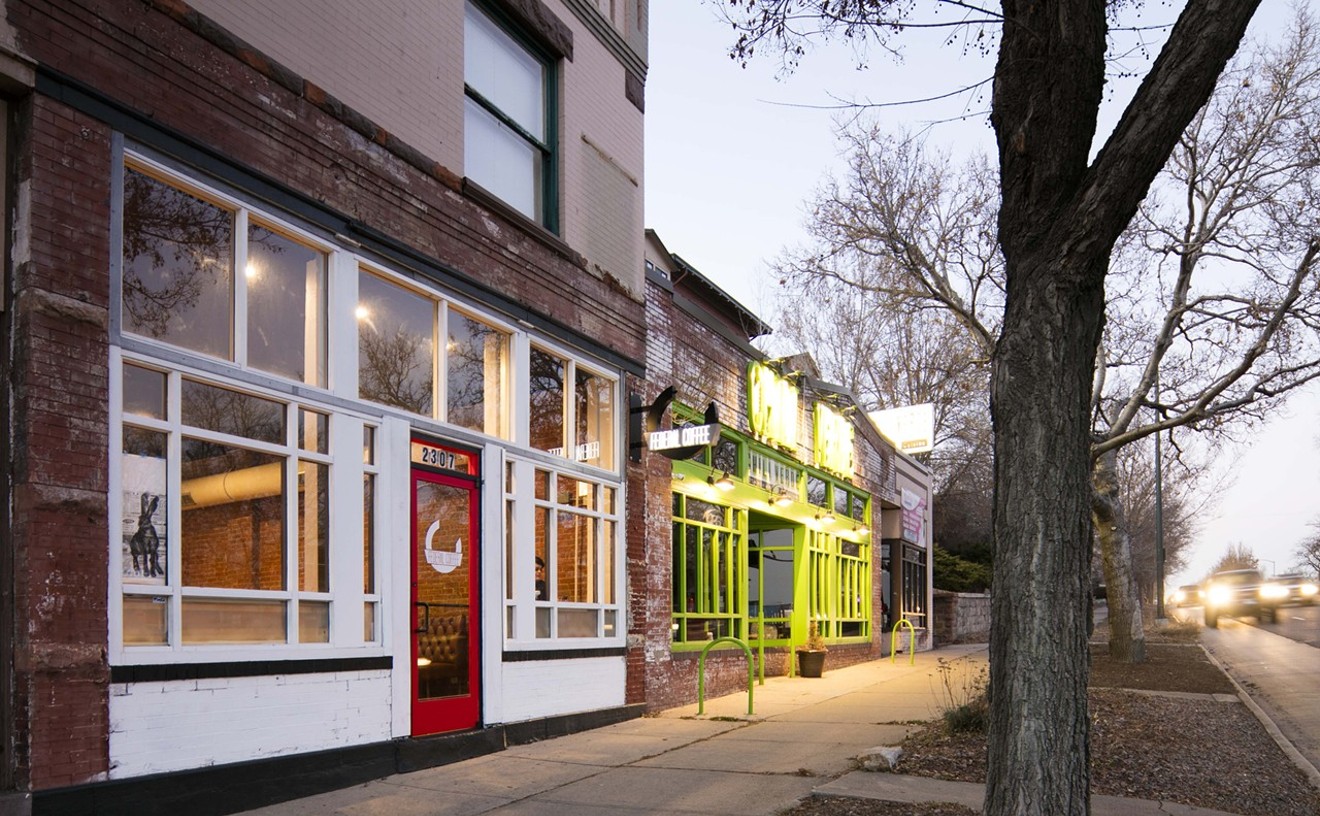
(691, 436)
(772, 406)
(911, 428)
(440, 458)
(833, 448)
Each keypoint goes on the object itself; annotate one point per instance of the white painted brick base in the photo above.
(546, 688)
(176, 725)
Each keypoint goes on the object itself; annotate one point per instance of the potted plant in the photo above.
(811, 655)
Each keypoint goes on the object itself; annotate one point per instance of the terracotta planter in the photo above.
(811, 664)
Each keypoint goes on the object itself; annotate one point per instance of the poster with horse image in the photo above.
(142, 519)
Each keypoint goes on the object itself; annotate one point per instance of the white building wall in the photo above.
(546, 688)
(181, 724)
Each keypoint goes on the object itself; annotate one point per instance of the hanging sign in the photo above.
(685, 436)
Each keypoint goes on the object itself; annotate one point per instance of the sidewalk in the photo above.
(802, 738)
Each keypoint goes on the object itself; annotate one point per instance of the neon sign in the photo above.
(833, 449)
(772, 406)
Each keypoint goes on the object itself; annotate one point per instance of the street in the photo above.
(1277, 664)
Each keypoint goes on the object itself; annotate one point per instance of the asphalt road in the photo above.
(1277, 664)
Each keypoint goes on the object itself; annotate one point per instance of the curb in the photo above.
(1303, 764)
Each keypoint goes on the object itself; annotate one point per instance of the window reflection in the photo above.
(178, 266)
(477, 361)
(219, 409)
(396, 346)
(595, 419)
(546, 414)
(286, 306)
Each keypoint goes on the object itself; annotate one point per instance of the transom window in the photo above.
(576, 422)
(399, 357)
(181, 251)
(508, 116)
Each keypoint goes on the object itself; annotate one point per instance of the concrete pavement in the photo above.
(802, 738)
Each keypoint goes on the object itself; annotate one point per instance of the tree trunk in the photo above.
(1127, 637)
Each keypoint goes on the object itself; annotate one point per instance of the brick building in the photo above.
(793, 511)
(318, 330)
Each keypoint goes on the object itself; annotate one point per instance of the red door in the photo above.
(446, 653)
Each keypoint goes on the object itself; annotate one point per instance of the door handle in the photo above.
(426, 617)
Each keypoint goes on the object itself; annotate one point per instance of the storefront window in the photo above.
(565, 583)
(477, 370)
(286, 291)
(546, 403)
(251, 478)
(710, 579)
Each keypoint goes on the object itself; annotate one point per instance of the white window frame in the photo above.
(345, 595)
(568, 442)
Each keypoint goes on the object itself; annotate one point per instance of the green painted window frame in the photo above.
(705, 608)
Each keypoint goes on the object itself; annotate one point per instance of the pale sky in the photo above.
(734, 154)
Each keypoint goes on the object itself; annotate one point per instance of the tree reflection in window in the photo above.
(546, 415)
(395, 345)
(178, 266)
(477, 356)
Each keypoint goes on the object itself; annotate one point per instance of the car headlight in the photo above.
(1179, 596)
(1274, 591)
(1309, 589)
(1219, 595)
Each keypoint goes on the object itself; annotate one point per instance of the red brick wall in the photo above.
(59, 527)
(151, 58)
(157, 63)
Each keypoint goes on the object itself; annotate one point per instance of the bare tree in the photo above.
(1237, 556)
(1061, 214)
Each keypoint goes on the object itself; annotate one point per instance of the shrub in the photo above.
(964, 696)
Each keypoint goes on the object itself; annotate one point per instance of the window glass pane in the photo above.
(396, 348)
(841, 502)
(178, 266)
(312, 431)
(546, 409)
(575, 558)
(144, 488)
(219, 409)
(542, 485)
(368, 622)
(146, 620)
(502, 161)
(224, 621)
(545, 589)
(314, 527)
(478, 359)
(509, 539)
(496, 66)
(144, 392)
(816, 491)
(725, 456)
(577, 493)
(233, 517)
(369, 534)
(285, 306)
(313, 622)
(607, 571)
(608, 507)
(543, 622)
(595, 419)
(578, 623)
(368, 445)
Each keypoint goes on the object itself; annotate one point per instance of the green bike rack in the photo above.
(701, 672)
(912, 641)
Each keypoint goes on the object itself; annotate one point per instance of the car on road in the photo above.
(1233, 593)
(1289, 589)
(1187, 595)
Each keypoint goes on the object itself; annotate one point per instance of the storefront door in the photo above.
(446, 688)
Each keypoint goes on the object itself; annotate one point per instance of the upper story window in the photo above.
(508, 117)
(182, 248)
